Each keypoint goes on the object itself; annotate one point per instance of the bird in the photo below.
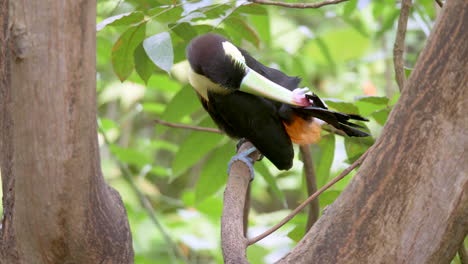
(250, 101)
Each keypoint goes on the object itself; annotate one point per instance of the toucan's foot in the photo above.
(242, 141)
(244, 157)
(299, 96)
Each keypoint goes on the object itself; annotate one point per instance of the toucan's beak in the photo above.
(255, 83)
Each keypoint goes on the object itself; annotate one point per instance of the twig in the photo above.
(298, 5)
(398, 48)
(311, 182)
(439, 3)
(127, 175)
(333, 130)
(311, 198)
(204, 129)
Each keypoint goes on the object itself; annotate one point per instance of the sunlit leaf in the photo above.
(124, 47)
(159, 49)
(121, 20)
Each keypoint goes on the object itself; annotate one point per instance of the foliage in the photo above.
(341, 51)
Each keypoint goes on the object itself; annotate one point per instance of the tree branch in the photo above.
(204, 129)
(311, 182)
(298, 5)
(398, 48)
(311, 198)
(463, 254)
(233, 240)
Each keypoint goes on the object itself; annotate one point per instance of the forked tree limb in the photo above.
(409, 201)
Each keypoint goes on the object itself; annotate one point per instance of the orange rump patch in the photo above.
(303, 132)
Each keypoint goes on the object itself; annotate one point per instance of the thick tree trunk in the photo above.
(57, 207)
(409, 202)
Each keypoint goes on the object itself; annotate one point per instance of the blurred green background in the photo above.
(171, 179)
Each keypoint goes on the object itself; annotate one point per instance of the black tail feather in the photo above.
(336, 119)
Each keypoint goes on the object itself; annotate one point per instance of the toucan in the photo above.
(251, 101)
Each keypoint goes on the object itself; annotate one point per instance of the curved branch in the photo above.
(298, 5)
(398, 48)
(233, 240)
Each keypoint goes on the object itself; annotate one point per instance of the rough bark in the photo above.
(57, 207)
(409, 202)
(233, 240)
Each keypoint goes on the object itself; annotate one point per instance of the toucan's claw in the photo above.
(244, 157)
(242, 141)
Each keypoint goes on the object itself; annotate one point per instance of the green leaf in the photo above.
(121, 20)
(252, 9)
(213, 175)
(262, 27)
(263, 170)
(239, 27)
(408, 72)
(183, 103)
(195, 147)
(107, 124)
(159, 49)
(323, 154)
(381, 116)
(124, 47)
(143, 65)
(342, 106)
(378, 100)
(153, 108)
(356, 46)
(297, 233)
(184, 30)
(130, 156)
(356, 146)
(328, 197)
(349, 7)
(166, 14)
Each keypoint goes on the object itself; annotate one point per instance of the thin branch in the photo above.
(311, 198)
(298, 5)
(145, 203)
(439, 3)
(333, 130)
(311, 182)
(204, 129)
(398, 48)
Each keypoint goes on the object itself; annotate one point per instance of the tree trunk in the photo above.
(409, 202)
(57, 207)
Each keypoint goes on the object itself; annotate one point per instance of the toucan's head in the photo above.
(219, 66)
